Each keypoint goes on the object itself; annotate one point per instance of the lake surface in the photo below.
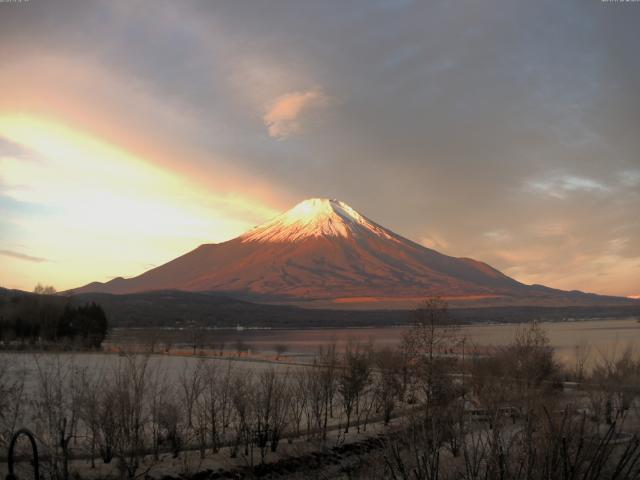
(603, 337)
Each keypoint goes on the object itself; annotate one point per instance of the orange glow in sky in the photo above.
(103, 212)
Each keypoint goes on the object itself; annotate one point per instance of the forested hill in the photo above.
(175, 308)
(50, 320)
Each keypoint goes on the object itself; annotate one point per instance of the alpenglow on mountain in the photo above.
(324, 250)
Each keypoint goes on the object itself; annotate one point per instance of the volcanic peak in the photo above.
(316, 217)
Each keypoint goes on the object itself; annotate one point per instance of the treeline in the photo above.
(44, 319)
(176, 308)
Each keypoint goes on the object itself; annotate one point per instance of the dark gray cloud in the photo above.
(507, 130)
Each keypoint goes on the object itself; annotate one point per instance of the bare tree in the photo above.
(298, 395)
(427, 343)
(327, 369)
(212, 403)
(207, 385)
(433, 331)
(12, 383)
(281, 408)
(366, 404)
(388, 381)
(171, 426)
(315, 394)
(242, 401)
(91, 394)
(196, 335)
(130, 411)
(582, 352)
(190, 388)
(271, 405)
(613, 385)
(108, 429)
(215, 405)
(157, 391)
(511, 380)
(41, 289)
(353, 377)
(57, 408)
(226, 412)
(545, 444)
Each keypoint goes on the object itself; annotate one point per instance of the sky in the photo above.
(506, 131)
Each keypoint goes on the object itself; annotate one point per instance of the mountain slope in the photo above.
(324, 250)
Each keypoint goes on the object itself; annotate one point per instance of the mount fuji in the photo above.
(322, 252)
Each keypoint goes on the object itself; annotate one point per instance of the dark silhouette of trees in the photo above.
(45, 319)
(44, 289)
(88, 324)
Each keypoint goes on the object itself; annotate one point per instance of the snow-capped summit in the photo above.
(316, 217)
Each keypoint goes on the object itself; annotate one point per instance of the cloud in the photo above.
(499, 235)
(282, 117)
(22, 256)
(630, 178)
(546, 229)
(617, 245)
(561, 187)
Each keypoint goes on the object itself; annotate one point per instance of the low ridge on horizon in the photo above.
(322, 249)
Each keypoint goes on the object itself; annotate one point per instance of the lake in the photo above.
(603, 337)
